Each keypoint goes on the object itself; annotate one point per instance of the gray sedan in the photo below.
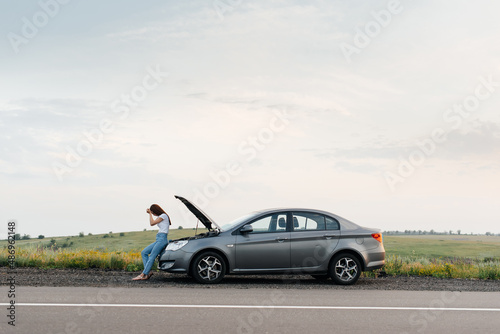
(277, 241)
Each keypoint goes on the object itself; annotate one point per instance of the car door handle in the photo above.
(329, 236)
(281, 239)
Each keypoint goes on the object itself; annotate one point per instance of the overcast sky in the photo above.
(383, 112)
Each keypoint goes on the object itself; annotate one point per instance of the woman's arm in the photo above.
(153, 221)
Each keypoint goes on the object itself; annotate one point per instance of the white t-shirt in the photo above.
(164, 224)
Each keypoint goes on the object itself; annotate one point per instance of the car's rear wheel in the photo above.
(345, 269)
(208, 268)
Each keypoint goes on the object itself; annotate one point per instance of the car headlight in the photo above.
(175, 245)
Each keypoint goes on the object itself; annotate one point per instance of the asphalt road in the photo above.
(213, 310)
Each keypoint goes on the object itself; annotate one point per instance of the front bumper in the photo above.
(175, 261)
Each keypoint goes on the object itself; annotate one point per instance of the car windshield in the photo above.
(237, 221)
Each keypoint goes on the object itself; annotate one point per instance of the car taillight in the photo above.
(377, 236)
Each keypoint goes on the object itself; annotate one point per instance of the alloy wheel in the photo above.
(346, 269)
(209, 268)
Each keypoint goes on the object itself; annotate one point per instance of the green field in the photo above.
(445, 256)
(422, 246)
(130, 241)
(443, 246)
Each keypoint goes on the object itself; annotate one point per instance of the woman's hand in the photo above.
(148, 211)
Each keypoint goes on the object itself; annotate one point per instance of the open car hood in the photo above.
(202, 216)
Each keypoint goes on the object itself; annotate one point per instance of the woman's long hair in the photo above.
(157, 211)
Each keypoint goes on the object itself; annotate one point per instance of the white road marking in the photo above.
(284, 307)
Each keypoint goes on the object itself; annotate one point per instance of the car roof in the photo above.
(295, 209)
(345, 222)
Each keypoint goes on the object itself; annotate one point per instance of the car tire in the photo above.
(208, 268)
(345, 269)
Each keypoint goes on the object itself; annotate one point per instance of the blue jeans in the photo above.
(150, 253)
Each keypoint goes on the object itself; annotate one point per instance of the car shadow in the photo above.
(247, 281)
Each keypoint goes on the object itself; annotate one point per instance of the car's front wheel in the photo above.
(208, 268)
(345, 269)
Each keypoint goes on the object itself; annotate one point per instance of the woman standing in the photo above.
(150, 253)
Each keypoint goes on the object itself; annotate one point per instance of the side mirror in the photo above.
(246, 229)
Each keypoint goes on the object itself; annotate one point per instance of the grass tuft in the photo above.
(79, 259)
(439, 267)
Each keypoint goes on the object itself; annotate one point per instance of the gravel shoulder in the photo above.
(116, 278)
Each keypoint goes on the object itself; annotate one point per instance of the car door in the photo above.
(267, 247)
(313, 239)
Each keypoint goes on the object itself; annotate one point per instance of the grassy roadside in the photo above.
(120, 251)
(79, 259)
(440, 267)
(443, 256)
(125, 241)
(470, 257)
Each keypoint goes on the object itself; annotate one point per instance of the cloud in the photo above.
(368, 152)
(33, 132)
(51, 113)
(480, 140)
(358, 167)
(477, 145)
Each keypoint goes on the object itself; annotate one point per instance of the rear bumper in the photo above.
(375, 265)
(375, 261)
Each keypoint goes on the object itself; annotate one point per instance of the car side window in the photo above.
(332, 224)
(305, 221)
(271, 223)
